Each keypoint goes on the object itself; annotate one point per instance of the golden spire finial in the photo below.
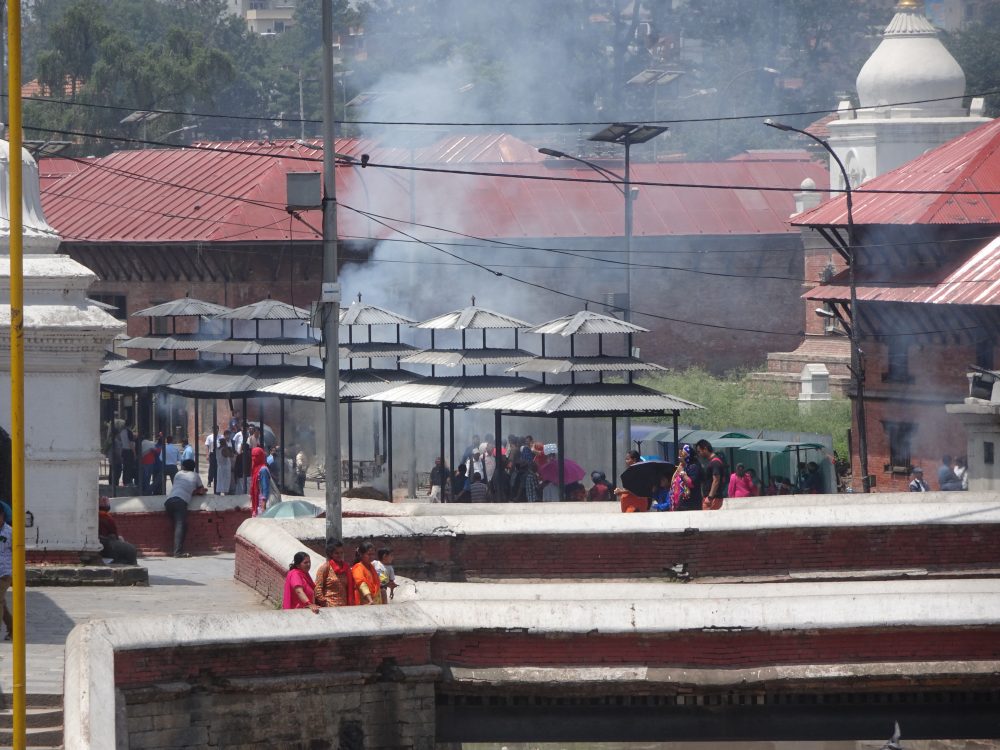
(913, 5)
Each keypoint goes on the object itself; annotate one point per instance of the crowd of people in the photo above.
(369, 580)
(514, 473)
(952, 475)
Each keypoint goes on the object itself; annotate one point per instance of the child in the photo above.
(661, 496)
(386, 573)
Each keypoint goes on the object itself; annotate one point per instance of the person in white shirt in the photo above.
(239, 480)
(211, 443)
(171, 458)
(186, 484)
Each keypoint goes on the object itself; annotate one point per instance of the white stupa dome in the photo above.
(38, 235)
(911, 64)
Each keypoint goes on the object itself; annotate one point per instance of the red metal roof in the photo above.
(488, 148)
(185, 195)
(975, 282)
(968, 163)
(53, 169)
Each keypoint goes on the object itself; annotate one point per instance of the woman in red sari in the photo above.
(363, 583)
(258, 489)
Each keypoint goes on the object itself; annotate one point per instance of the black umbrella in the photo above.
(644, 477)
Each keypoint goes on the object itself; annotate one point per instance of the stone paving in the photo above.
(176, 586)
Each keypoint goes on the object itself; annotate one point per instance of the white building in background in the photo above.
(65, 337)
(264, 16)
(954, 15)
(910, 65)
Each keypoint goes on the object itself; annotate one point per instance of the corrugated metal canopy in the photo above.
(597, 399)
(466, 357)
(117, 364)
(181, 307)
(556, 365)
(716, 438)
(585, 322)
(233, 381)
(778, 446)
(363, 314)
(181, 342)
(151, 375)
(258, 346)
(363, 350)
(266, 309)
(354, 384)
(451, 391)
(472, 318)
(975, 282)
(967, 164)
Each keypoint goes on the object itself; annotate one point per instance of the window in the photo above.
(900, 435)
(117, 301)
(988, 453)
(161, 326)
(898, 370)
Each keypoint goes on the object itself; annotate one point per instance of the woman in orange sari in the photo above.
(363, 583)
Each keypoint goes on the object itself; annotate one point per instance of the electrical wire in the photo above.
(416, 123)
(272, 205)
(860, 191)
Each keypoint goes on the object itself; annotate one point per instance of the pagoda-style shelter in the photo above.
(451, 392)
(576, 400)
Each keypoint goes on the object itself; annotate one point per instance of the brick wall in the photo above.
(937, 378)
(311, 691)
(207, 531)
(763, 552)
(709, 649)
(259, 571)
(285, 712)
(55, 557)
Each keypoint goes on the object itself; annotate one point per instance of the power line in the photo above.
(373, 216)
(524, 176)
(526, 282)
(410, 123)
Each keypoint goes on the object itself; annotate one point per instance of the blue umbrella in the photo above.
(293, 509)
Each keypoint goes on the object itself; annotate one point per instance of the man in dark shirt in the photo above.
(714, 485)
(947, 479)
(439, 478)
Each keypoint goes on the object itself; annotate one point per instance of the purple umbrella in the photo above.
(572, 471)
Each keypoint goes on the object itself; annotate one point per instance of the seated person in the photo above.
(113, 547)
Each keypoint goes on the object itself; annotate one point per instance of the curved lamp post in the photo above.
(725, 90)
(626, 134)
(854, 331)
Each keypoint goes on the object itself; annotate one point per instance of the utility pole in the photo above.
(330, 295)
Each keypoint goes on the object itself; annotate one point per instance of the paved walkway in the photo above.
(176, 586)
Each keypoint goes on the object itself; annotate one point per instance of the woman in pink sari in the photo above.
(741, 483)
(299, 588)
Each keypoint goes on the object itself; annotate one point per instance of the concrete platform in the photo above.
(86, 575)
(194, 585)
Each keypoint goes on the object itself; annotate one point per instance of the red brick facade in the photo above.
(207, 531)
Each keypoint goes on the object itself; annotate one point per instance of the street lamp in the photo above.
(722, 98)
(854, 331)
(627, 135)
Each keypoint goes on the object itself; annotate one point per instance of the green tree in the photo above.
(977, 49)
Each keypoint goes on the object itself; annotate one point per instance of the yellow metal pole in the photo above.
(16, 363)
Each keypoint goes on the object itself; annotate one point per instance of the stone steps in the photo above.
(43, 721)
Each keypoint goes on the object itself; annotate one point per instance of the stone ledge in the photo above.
(687, 679)
(86, 575)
